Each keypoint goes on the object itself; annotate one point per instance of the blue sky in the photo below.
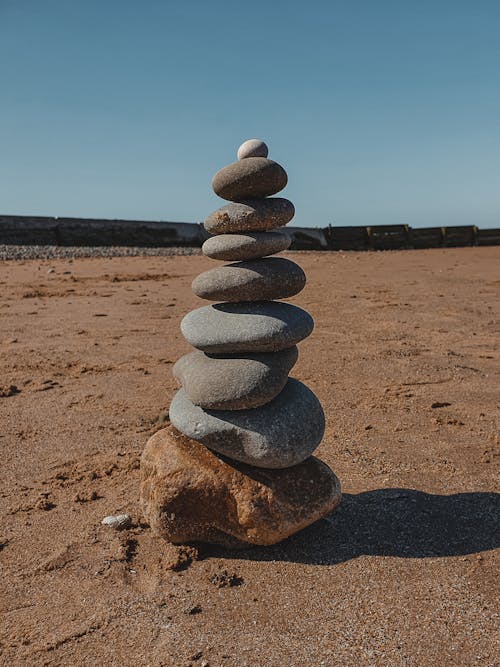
(381, 112)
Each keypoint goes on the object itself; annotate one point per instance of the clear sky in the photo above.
(381, 111)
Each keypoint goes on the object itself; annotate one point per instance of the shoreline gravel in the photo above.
(73, 252)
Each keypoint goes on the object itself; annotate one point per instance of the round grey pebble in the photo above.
(252, 245)
(255, 280)
(250, 215)
(264, 326)
(252, 148)
(251, 177)
(280, 434)
(234, 382)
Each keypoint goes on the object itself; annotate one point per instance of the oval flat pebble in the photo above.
(250, 215)
(117, 521)
(251, 177)
(252, 245)
(264, 326)
(280, 434)
(256, 280)
(234, 382)
(252, 148)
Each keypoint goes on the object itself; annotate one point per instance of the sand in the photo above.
(405, 358)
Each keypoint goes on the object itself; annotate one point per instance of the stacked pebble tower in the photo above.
(236, 398)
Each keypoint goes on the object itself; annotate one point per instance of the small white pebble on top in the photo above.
(252, 148)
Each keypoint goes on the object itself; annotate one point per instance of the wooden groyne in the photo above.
(38, 230)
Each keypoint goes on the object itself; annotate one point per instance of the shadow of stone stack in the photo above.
(235, 466)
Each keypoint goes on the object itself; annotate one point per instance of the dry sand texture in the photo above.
(405, 359)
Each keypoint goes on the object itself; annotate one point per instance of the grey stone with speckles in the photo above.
(256, 280)
(282, 433)
(251, 245)
(251, 177)
(234, 382)
(260, 326)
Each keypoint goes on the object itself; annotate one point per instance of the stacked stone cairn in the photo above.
(235, 465)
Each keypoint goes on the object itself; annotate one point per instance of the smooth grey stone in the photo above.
(261, 326)
(234, 383)
(252, 148)
(252, 245)
(280, 434)
(250, 215)
(251, 177)
(256, 280)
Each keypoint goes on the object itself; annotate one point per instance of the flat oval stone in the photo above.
(256, 280)
(252, 245)
(250, 215)
(234, 383)
(247, 505)
(252, 148)
(264, 326)
(280, 434)
(251, 177)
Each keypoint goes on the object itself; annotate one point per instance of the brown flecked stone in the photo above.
(250, 215)
(251, 177)
(189, 494)
(255, 280)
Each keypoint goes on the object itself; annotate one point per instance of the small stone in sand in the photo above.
(117, 521)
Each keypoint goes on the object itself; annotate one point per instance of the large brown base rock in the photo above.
(189, 494)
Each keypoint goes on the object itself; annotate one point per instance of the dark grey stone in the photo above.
(256, 280)
(234, 383)
(262, 326)
(251, 245)
(280, 434)
(251, 177)
(250, 215)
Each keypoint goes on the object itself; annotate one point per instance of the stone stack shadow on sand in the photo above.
(235, 466)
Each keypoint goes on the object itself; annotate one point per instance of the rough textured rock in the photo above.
(279, 434)
(252, 148)
(255, 280)
(234, 383)
(251, 177)
(250, 215)
(246, 327)
(189, 494)
(251, 245)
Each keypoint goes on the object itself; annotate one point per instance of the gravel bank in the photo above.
(73, 252)
(65, 252)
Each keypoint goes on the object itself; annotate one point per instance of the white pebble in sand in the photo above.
(117, 521)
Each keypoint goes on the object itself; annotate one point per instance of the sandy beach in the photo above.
(405, 358)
